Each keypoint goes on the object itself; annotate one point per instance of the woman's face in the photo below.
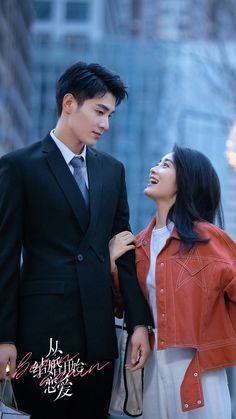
(162, 181)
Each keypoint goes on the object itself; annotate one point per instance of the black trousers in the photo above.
(89, 400)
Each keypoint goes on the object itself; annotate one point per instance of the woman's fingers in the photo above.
(130, 247)
(125, 237)
(120, 244)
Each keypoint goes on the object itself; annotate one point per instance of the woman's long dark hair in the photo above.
(198, 195)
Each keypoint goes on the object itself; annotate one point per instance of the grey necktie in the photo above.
(78, 163)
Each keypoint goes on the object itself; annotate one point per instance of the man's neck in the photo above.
(64, 137)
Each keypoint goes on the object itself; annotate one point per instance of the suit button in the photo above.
(80, 257)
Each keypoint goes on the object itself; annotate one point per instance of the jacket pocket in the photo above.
(42, 287)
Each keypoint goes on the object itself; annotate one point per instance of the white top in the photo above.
(68, 156)
(158, 241)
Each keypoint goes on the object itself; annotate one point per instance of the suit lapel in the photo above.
(94, 167)
(66, 181)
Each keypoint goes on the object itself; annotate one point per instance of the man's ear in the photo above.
(68, 103)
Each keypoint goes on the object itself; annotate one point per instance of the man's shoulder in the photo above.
(106, 156)
(23, 151)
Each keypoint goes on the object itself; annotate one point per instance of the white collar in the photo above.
(66, 151)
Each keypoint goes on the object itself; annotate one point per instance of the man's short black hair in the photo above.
(86, 81)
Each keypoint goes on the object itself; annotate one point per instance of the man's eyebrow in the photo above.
(105, 108)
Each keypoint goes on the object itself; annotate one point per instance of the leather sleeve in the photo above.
(230, 291)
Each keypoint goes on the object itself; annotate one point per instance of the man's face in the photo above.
(87, 122)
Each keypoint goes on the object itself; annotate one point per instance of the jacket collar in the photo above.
(145, 236)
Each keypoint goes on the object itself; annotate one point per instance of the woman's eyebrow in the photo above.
(162, 161)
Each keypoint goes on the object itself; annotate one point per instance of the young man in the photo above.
(60, 203)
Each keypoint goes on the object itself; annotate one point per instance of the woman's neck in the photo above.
(161, 215)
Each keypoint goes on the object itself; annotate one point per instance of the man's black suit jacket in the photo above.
(62, 288)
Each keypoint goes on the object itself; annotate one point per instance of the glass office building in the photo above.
(15, 74)
(168, 52)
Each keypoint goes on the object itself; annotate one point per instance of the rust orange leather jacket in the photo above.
(196, 300)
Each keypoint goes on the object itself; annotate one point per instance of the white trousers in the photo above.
(163, 375)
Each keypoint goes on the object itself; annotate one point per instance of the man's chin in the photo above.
(91, 143)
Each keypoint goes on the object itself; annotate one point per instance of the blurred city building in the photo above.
(63, 32)
(15, 74)
(177, 58)
(176, 20)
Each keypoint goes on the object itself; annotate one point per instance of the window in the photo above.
(78, 41)
(43, 9)
(42, 38)
(77, 10)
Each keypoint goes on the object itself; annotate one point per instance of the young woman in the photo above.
(186, 268)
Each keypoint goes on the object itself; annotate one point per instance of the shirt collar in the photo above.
(65, 151)
(145, 236)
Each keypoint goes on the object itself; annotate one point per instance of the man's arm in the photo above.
(11, 224)
(136, 308)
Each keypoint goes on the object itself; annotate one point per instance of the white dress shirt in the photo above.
(68, 156)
